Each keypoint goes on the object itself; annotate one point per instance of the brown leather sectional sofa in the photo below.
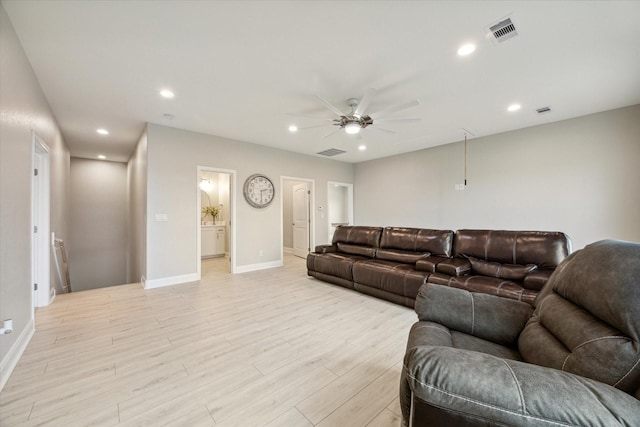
(393, 262)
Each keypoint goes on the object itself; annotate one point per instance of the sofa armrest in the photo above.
(537, 278)
(462, 387)
(325, 249)
(454, 266)
(499, 320)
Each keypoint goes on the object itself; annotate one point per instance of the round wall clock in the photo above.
(258, 191)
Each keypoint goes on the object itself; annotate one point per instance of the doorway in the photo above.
(297, 215)
(339, 205)
(40, 219)
(215, 220)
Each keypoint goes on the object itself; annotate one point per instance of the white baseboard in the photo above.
(287, 250)
(169, 281)
(15, 352)
(256, 267)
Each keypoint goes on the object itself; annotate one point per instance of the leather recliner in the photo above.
(478, 359)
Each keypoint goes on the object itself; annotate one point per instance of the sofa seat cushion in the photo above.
(430, 264)
(397, 278)
(488, 285)
(333, 264)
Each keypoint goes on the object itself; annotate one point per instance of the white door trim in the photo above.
(41, 218)
(312, 216)
(232, 221)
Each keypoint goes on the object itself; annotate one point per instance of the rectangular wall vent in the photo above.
(543, 110)
(502, 31)
(331, 152)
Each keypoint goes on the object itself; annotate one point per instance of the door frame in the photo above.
(232, 220)
(40, 217)
(312, 211)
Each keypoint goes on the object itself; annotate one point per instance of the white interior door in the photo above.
(301, 220)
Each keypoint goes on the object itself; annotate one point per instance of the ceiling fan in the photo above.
(353, 122)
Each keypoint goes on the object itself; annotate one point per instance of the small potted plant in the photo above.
(210, 210)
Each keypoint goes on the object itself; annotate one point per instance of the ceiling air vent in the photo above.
(331, 152)
(543, 110)
(502, 30)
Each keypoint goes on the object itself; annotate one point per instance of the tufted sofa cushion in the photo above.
(587, 319)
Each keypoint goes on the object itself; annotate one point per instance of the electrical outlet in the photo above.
(260, 252)
(162, 217)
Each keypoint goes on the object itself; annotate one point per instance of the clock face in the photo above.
(258, 191)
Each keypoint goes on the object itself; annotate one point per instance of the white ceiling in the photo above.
(239, 68)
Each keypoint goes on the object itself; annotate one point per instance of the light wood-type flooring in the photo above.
(267, 348)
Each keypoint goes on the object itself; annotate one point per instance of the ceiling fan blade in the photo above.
(364, 102)
(304, 116)
(330, 106)
(331, 133)
(315, 126)
(406, 120)
(395, 108)
(381, 129)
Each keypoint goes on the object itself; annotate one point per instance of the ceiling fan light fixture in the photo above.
(352, 128)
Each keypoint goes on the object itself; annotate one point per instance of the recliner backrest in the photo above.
(546, 249)
(587, 317)
(357, 240)
(357, 235)
(435, 242)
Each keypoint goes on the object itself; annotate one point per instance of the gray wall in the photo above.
(173, 158)
(579, 176)
(23, 107)
(137, 212)
(98, 248)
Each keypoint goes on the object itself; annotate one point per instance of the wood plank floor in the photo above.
(267, 348)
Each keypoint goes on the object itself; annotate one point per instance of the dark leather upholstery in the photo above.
(392, 263)
(379, 262)
(510, 264)
(475, 359)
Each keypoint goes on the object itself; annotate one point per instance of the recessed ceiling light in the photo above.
(362, 147)
(167, 93)
(293, 128)
(466, 49)
(102, 131)
(102, 156)
(514, 107)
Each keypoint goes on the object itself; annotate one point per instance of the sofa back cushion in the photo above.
(546, 249)
(436, 242)
(587, 317)
(357, 240)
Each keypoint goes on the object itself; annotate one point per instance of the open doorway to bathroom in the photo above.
(339, 205)
(215, 221)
